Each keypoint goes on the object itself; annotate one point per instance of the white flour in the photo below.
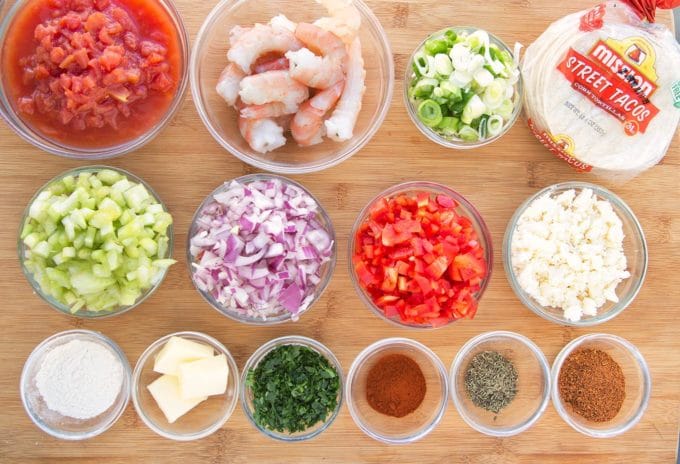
(80, 379)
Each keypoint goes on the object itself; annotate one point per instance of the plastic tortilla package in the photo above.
(603, 88)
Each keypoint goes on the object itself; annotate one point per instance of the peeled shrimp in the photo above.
(307, 127)
(319, 72)
(255, 42)
(340, 126)
(273, 86)
(344, 20)
(236, 32)
(268, 110)
(228, 83)
(275, 63)
(282, 21)
(263, 135)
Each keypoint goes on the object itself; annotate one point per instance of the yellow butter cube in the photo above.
(204, 377)
(179, 350)
(165, 390)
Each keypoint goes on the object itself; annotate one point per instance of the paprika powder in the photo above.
(395, 385)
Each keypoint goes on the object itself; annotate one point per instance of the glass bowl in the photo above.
(53, 423)
(638, 385)
(283, 315)
(83, 312)
(414, 426)
(206, 418)
(247, 394)
(455, 142)
(634, 247)
(465, 208)
(533, 384)
(209, 59)
(43, 142)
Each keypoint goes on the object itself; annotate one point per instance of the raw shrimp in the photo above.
(307, 127)
(263, 135)
(259, 40)
(268, 110)
(344, 20)
(340, 126)
(236, 32)
(270, 62)
(282, 21)
(319, 72)
(228, 83)
(273, 86)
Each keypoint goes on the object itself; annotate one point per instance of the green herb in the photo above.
(491, 381)
(293, 388)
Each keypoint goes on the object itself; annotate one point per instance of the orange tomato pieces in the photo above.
(419, 260)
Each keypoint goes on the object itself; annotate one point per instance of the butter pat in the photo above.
(177, 351)
(165, 390)
(204, 377)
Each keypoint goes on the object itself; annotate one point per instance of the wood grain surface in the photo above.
(184, 164)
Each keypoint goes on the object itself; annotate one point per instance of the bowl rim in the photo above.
(620, 208)
(260, 353)
(361, 358)
(83, 334)
(145, 357)
(44, 143)
(320, 288)
(414, 186)
(646, 384)
(50, 300)
(461, 144)
(457, 367)
(383, 107)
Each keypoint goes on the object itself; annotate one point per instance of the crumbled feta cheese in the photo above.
(567, 252)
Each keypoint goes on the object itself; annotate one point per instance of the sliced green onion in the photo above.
(435, 46)
(482, 128)
(451, 91)
(449, 125)
(494, 125)
(494, 94)
(420, 66)
(468, 134)
(506, 109)
(424, 88)
(429, 113)
(443, 65)
(474, 109)
(451, 37)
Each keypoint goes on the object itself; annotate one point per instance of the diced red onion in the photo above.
(259, 249)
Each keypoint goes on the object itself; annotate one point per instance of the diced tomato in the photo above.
(419, 260)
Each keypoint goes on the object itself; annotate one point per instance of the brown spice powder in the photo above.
(593, 384)
(395, 385)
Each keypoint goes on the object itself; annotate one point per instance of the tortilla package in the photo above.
(603, 88)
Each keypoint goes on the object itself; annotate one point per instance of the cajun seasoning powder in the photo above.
(592, 383)
(395, 385)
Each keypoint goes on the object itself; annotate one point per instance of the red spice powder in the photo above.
(395, 385)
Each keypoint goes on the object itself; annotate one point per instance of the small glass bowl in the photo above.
(83, 312)
(454, 142)
(533, 384)
(465, 208)
(414, 426)
(247, 394)
(43, 142)
(638, 385)
(283, 315)
(206, 418)
(209, 59)
(53, 423)
(634, 247)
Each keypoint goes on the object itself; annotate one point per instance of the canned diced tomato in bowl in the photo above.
(91, 78)
(420, 255)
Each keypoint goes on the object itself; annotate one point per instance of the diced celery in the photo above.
(163, 221)
(150, 246)
(41, 249)
(136, 197)
(108, 176)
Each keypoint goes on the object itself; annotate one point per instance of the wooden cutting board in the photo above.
(184, 164)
